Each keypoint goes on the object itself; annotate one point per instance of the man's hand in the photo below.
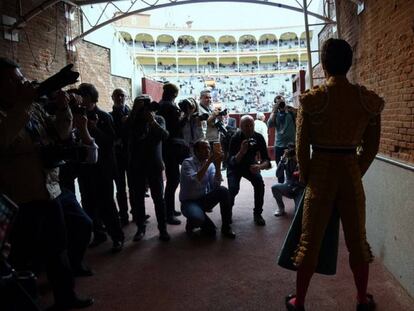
(254, 169)
(218, 158)
(244, 147)
(80, 121)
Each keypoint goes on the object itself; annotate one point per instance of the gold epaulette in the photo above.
(314, 100)
(371, 102)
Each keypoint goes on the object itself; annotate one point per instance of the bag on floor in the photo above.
(328, 253)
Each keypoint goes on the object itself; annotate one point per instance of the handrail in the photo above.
(385, 159)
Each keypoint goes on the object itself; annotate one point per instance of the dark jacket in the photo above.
(251, 156)
(121, 133)
(173, 123)
(145, 145)
(104, 135)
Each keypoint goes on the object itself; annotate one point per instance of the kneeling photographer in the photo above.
(247, 157)
(146, 132)
(39, 233)
(291, 188)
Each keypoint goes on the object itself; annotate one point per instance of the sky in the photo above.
(230, 15)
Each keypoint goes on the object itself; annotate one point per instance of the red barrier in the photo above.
(152, 88)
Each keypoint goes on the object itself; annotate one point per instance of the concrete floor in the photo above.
(204, 274)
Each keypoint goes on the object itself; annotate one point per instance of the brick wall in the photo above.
(383, 41)
(40, 51)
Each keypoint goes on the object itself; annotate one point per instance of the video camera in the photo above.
(59, 80)
(223, 113)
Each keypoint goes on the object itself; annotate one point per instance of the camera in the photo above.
(223, 113)
(149, 104)
(59, 80)
(220, 127)
(202, 116)
(252, 142)
(186, 104)
(281, 105)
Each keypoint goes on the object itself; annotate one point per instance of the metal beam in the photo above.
(21, 22)
(308, 47)
(176, 3)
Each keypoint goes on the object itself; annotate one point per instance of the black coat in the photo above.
(145, 145)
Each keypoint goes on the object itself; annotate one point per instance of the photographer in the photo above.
(283, 121)
(146, 131)
(82, 149)
(119, 113)
(291, 188)
(192, 131)
(200, 191)
(174, 150)
(96, 180)
(212, 133)
(247, 157)
(39, 233)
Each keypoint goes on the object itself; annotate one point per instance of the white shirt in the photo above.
(261, 128)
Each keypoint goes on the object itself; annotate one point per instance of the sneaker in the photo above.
(177, 213)
(259, 221)
(280, 212)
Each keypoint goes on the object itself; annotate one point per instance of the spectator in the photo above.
(200, 191)
(261, 127)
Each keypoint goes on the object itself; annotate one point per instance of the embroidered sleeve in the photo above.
(303, 144)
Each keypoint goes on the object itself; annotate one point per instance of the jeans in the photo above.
(195, 210)
(233, 180)
(138, 179)
(97, 188)
(279, 151)
(172, 173)
(120, 182)
(78, 225)
(287, 190)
